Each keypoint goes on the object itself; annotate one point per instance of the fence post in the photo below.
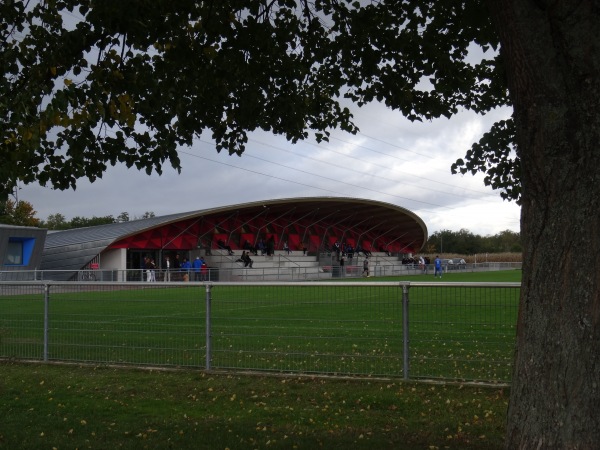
(208, 330)
(46, 320)
(405, 337)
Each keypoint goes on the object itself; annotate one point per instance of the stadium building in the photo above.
(310, 227)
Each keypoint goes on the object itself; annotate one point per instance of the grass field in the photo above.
(87, 407)
(461, 333)
(455, 331)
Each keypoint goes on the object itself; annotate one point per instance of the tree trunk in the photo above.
(552, 57)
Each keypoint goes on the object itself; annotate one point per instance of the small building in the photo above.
(20, 250)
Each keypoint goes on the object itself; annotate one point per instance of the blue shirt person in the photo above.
(196, 265)
(438, 267)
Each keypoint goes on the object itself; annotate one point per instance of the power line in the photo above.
(306, 172)
(383, 167)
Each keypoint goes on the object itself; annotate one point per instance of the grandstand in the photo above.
(310, 226)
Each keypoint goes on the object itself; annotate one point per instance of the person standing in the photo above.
(271, 246)
(167, 276)
(177, 268)
(342, 266)
(197, 265)
(366, 267)
(437, 263)
(151, 270)
(422, 263)
(185, 269)
(204, 270)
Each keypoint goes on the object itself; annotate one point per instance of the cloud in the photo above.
(391, 160)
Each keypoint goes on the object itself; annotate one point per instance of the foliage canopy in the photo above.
(88, 83)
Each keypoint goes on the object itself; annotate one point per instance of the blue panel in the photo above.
(28, 246)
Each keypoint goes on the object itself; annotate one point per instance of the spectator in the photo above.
(302, 247)
(167, 276)
(177, 268)
(204, 270)
(196, 265)
(350, 252)
(422, 265)
(222, 245)
(271, 246)
(247, 260)
(262, 247)
(150, 269)
(202, 245)
(250, 248)
(185, 269)
(286, 248)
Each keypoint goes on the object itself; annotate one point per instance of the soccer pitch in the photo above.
(356, 328)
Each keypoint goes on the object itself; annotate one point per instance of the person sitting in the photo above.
(203, 245)
(250, 248)
(385, 250)
(366, 252)
(286, 248)
(349, 252)
(222, 245)
(247, 260)
(262, 247)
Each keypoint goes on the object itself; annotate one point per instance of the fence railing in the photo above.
(275, 273)
(456, 331)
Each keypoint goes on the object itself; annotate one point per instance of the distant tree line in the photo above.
(14, 212)
(466, 243)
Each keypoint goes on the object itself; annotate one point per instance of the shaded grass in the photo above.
(49, 406)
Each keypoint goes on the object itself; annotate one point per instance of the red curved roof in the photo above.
(312, 222)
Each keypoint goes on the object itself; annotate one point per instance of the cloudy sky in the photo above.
(391, 160)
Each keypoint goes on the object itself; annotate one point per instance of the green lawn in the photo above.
(99, 407)
(455, 332)
(461, 333)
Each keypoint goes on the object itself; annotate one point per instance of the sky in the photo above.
(391, 160)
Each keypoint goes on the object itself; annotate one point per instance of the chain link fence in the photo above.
(411, 330)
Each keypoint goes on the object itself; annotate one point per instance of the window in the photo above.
(18, 251)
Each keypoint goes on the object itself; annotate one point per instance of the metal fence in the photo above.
(272, 273)
(410, 330)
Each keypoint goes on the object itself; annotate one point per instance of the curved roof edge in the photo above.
(87, 241)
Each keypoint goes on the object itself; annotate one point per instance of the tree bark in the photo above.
(552, 57)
